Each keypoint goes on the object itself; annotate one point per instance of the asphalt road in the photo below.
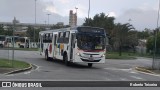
(112, 70)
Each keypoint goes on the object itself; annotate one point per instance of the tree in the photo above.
(9, 31)
(2, 31)
(123, 36)
(102, 21)
(151, 43)
(143, 34)
(30, 33)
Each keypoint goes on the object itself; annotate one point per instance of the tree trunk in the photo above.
(120, 50)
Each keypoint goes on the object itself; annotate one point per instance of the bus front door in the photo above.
(72, 46)
(55, 46)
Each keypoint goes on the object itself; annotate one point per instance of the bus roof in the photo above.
(68, 29)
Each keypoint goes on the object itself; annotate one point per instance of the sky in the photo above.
(142, 13)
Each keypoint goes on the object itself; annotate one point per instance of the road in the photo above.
(112, 70)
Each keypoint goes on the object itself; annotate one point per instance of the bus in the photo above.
(9, 41)
(77, 45)
(2, 40)
(19, 42)
(24, 42)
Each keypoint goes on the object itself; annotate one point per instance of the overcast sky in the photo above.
(143, 13)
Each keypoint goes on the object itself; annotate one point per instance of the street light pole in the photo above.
(35, 19)
(76, 15)
(48, 18)
(88, 11)
(13, 38)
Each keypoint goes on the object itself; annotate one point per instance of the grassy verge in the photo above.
(23, 49)
(27, 49)
(5, 63)
(115, 55)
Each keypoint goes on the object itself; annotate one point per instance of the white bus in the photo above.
(2, 40)
(77, 45)
(9, 41)
(19, 42)
(24, 42)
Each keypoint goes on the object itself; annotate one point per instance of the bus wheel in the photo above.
(66, 60)
(90, 64)
(46, 56)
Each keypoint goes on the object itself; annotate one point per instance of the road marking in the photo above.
(123, 79)
(133, 72)
(27, 72)
(107, 79)
(119, 69)
(136, 77)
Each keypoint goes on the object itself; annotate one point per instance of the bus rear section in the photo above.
(2, 41)
(24, 42)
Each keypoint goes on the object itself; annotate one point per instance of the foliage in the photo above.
(144, 34)
(2, 32)
(101, 20)
(151, 43)
(7, 32)
(124, 37)
(30, 33)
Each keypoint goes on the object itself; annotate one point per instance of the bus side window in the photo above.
(60, 37)
(66, 38)
(48, 35)
(50, 38)
(44, 38)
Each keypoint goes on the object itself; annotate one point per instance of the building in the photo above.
(72, 18)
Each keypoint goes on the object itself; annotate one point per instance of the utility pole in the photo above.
(155, 40)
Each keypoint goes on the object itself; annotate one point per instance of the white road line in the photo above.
(136, 77)
(123, 79)
(27, 72)
(133, 72)
(119, 69)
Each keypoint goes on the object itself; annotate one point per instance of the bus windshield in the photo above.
(22, 40)
(91, 41)
(2, 38)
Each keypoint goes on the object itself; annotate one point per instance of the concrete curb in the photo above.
(19, 70)
(143, 69)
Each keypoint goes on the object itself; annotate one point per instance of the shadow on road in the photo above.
(73, 65)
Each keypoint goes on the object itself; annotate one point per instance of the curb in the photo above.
(19, 70)
(143, 69)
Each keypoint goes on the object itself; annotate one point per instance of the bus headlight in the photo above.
(103, 55)
(78, 54)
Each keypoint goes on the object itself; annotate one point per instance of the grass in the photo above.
(23, 49)
(128, 55)
(27, 49)
(5, 63)
(115, 55)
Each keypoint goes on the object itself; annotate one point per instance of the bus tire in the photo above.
(90, 64)
(46, 56)
(65, 57)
